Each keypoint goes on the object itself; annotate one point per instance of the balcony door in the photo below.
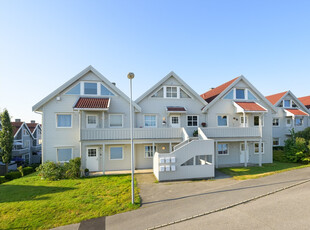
(91, 121)
(92, 161)
(244, 151)
(175, 121)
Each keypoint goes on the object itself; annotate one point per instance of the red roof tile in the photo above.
(297, 112)
(213, 93)
(16, 126)
(250, 106)
(92, 103)
(305, 101)
(176, 109)
(275, 97)
(31, 126)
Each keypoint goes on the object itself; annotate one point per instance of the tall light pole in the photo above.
(130, 77)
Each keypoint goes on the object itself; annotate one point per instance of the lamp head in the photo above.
(130, 75)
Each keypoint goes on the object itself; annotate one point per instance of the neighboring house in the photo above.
(36, 131)
(305, 101)
(291, 114)
(239, 119)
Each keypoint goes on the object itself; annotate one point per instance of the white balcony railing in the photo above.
(139, 133)
(213, 132)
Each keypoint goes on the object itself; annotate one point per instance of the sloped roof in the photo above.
(176, 109)
(92, 103)
(213, 93)
(32, 126)
(250, 106)
(297, 112)
(305, 101)
(16, 126)
(275, 97)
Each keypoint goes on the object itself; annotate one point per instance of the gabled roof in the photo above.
(92, 103)
(221, 90)
(158, 84)
(250, 106)
(213, 93)
(296, 112)
(305, 101)
(276, 97)
(33, 126)
(17, 126)
(37, 106)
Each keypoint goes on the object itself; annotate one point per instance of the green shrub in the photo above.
(28, 170)
(20, 169)
(13, 175)
(2, 179)
(72, 169)
(279, 155)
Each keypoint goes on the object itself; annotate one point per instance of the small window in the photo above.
(192, 121)
(159, 93)
(149, 120)
(116, 153)
(64, 154)
(251, 96)
(105, 91)
(288, 122)
(298, 121)
(275, 121)
(149, 151)
(294, 105)
(256, 147)
(256, 120)
(64, 121)
(203, 160)
(222, 120)
(171, 92)
(25, 133)
(91, 119)
(76, 90)
(92, 152)
(287, 103)
(240, 94)
(116, 120)
(276, 141)
(188, 162)
(183, 94)
(242, 121)
(222, 149)
(230, 95)
(90, 88)
(175, 120)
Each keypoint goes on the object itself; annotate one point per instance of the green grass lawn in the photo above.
(32, 203)
(242, 173)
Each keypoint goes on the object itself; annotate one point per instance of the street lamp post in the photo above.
(130, 77)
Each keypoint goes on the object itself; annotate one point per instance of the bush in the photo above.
(20, 169)
(13, 175)
(28, 170)
(2, 179)
(279, 155)
(72, 169)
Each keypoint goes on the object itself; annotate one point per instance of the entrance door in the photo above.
(175, 121)
(243, 152)
(92, 159)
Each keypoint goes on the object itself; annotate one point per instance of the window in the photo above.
(288, 122)
(287, 103)
(150, 121)
(276, 141)
(26, 144)
(298, 121)
(188, 162)
(183, 94)
(159, 93)
(116, 153)
(275, 121)
(222, 121)
(203, 160)
(116, 120)
(90, 88)
(64, 121)
(149, 151)
(256, 120)
(240, 94)
(251, 96)
(175, 120)
(105, 91)
(91, 121)
(222, 149)
(242, 121)
(76, 90)
(256, 147)
(192, 121)
(92, 152)
(171, 92)
(294, 104)
(25, 133)
(64, 154)
(230, 95)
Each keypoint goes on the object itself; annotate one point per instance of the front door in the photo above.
(175, 121)
(243, 151)
(92, 159)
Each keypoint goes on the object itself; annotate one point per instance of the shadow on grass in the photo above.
(14, 193)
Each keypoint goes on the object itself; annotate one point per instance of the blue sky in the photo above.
(45, 43)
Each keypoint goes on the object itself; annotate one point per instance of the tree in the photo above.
(6, 138)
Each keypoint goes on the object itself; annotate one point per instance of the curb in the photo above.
(227, 207)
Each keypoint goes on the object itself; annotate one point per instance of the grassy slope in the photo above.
(242, 173)
(30, 202)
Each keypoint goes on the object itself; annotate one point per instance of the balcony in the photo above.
(36, 148)
(233, 132)
(19, 152)
(139, 133)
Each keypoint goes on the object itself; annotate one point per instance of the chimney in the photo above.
(212, 88)
(113, 83)
(32, 121)
(17, 120)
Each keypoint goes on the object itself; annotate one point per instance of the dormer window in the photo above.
(240, 94)
(90, 88)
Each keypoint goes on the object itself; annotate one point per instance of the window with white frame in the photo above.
(116, 120)
(159, 93)
(25, 133)
(222, 120)
(286, 103)
(92, 152)
(149, 151)
(192, 120)
(64, 120)
(64, 154)
(150, 121)
(288, 122)
(203, 160)
(275, 122)
(256, 120)
(298, 121)
(240, 93)
(91, 119)
(222, 149)
(90, 88)
(276, 141)
(242, 118)
(183, 94)
(256, 147)
(116, 153)
(76, 90)
(171, 92)
(26, 144)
